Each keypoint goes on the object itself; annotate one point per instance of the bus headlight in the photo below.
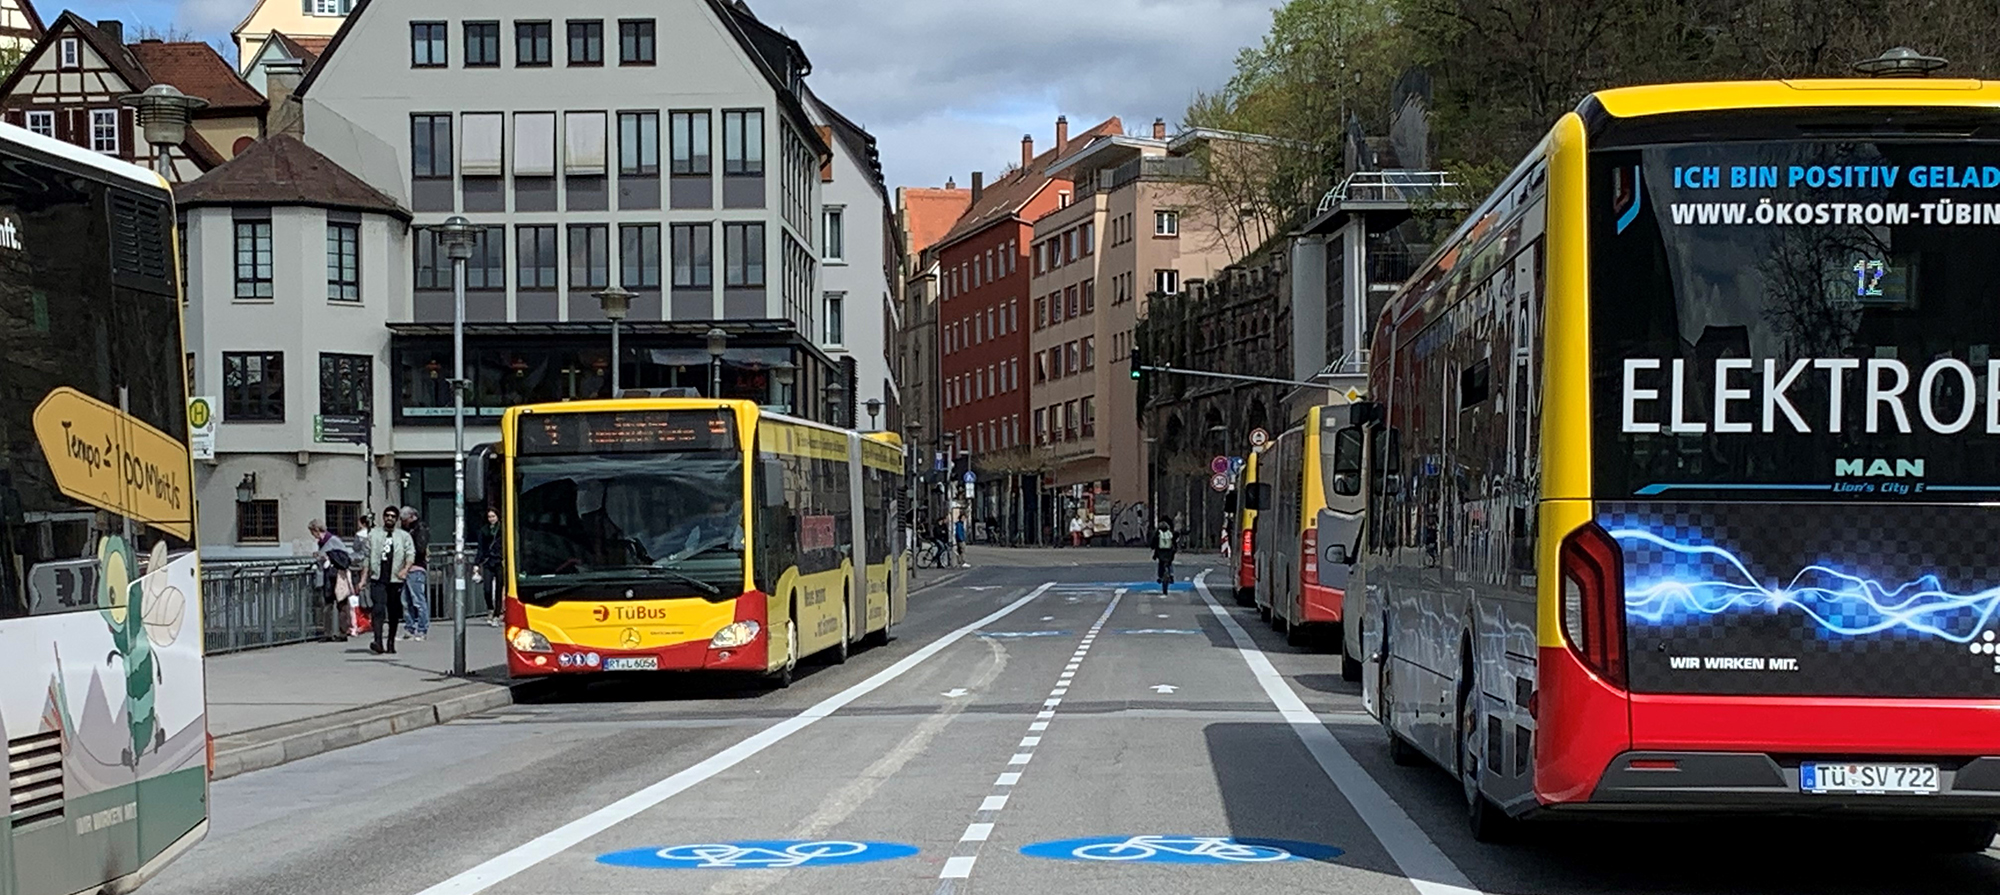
(735, 635)
(528, 641)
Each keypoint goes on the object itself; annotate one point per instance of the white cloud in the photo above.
(950, 87)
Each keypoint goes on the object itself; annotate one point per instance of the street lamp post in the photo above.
(836, 402)
(781, 385)
(458, 235)
(163, 114)
(616, 303)
(874, 410)
(718, 343)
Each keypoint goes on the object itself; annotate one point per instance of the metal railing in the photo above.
(1385, 186)
(247, 605)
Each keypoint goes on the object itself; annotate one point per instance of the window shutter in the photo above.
(306, 6)
(583, 143)
(481, 152)
(534, 144)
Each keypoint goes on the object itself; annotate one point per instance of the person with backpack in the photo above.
(1163, 554)
(335, 565)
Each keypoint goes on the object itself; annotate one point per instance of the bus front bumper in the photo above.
(1755, 782)
(693, 655)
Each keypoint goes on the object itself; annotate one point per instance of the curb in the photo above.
(267, 747)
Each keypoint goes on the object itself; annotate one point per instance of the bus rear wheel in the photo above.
(1489, 822)
(845, 647)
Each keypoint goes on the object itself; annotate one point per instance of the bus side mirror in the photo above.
(482, 474)
(1336, 554)
(1257, 496)
(771, 483)
(1346, 485)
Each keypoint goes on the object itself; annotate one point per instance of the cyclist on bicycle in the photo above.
(1163, 554)
(941, 535)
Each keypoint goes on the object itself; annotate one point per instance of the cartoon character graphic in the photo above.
(142, 614)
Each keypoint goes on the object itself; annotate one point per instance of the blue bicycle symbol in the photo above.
(1180, 850)
(759, 854)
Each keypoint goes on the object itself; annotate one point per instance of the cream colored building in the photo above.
(295, 18)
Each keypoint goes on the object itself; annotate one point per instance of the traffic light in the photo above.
(1138, 364)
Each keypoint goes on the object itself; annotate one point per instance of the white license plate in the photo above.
(1871, 779)
(633, 663)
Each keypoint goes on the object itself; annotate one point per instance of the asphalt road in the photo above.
(1056, 699)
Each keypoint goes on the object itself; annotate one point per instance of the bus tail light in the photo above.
(1249, 543)
(1593, 611)
(1309, 546)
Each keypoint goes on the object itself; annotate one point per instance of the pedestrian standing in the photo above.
(391, 555)
(959, 538)
(1163, 554)
(486, 566)
(335, 565)
(1076, 531)
(357, 610)
(416, 588)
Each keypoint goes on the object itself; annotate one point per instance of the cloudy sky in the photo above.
(946, 87)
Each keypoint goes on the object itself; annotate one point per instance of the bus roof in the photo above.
(1667, 99)
(743, 410)
(110, 167)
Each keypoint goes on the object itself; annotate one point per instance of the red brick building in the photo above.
(983, 317)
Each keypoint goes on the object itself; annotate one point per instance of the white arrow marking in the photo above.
(1048, 618)
(956, 692)
(1164, 688)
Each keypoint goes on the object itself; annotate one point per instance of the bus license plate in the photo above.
(1871, 779)
(632, 663)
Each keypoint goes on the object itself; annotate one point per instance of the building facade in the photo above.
(985, 298)
(294, 271)
(68, 86)
(857, 314)
(1134, 229)
(923, 216)
(20, 25)
(316, 20)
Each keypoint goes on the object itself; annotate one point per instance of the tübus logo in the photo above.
(601, 613)
(629, 613)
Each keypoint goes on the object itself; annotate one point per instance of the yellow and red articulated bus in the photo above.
(1308, 512)
(1692, 472)
(683, 534)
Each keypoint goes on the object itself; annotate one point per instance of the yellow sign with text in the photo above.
(108, 459)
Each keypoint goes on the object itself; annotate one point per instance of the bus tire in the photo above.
(1487, 821)
(783, 677)
(1298, 635)
(882, 637)
(1350, 667)
(1246, 596)
(845, 647)
(1958, 837)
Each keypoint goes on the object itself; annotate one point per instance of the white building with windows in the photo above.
(294, 267)
(858, 314)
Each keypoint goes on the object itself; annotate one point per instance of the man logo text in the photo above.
(1879, 468)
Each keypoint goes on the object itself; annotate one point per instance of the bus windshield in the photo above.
(1796, 319)
(593, 525)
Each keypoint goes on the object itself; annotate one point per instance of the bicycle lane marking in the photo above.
(512, 862)
(1421, 861)
(959, 865)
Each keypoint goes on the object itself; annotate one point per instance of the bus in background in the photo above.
(101, 691)
(1308, 522)
(680, 534)
(1692, 497)
(1246, 534)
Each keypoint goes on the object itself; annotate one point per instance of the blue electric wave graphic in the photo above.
(1711, 581)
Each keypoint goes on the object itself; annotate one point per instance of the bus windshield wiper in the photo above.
(625, 575)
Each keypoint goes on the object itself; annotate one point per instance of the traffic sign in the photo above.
(1353, 395)
(1219, 481)
(201, 428)
(1236, 465)
(1259, 437)
(969, 477)
(1219, 465)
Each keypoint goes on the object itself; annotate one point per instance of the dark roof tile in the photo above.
(283, 170)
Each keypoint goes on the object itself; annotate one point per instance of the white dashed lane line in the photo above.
(959, 865)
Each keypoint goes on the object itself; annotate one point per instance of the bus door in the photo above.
(1339, 523)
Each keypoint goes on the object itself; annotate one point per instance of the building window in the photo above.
(1075, 358)
(635, 42)
(589, 256)
(531, 43)
(343, 517)
(1041, 311)
(586, 42)
(485, 270)
(1041, 426)
(1089, 352)
(639, 143)
(835, 235)
(253, 386)
(430, 146)
(257, 522)
(1090, 238)
(1089, 296)
(69, 54)
(639, 256)
(343, 262)
(1041, 366)
(332, 8)
(694, 255)
(535, 257)
(1167, 282)
(482, 44)
(427, 45)
(253, 259)
(345, 383)
(836, 326)
(43, 123)
(1069, 420)
(691, 142)
(743, 255)
(104, 131)
(1166, 223)
(1088, 410)
(743, 142)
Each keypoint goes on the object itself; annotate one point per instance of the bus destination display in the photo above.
(630, 431)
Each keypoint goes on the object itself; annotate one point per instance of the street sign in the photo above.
(1259, 437)
(1219, 481)
(969, 477)
(1353, 395)
(340, 429)
(201, 428)
(112, 460)
(1236, 465)
(1219, 465)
